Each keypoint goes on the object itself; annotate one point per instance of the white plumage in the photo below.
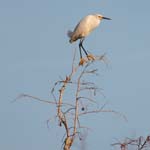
(84, 28)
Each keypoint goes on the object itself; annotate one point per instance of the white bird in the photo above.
(84, 28)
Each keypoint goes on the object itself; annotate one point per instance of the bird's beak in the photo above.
(106, 18)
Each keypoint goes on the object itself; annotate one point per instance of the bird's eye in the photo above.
(99, 17)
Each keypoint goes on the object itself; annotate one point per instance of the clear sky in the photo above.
(35, 52)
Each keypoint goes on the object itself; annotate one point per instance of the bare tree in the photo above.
(78, 78)
(80, 102)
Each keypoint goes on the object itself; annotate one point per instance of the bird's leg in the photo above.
(80, 50)
(81, 45)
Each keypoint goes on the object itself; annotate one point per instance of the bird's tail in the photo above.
(69, 33)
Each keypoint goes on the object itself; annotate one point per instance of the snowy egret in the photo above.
(84, 28)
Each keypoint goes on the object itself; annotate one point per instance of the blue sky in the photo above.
(35, 52)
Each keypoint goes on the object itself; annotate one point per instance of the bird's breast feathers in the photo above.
(88, 24)
(84, 27)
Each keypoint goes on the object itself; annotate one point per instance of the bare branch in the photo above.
(107, 111)
(38, 99)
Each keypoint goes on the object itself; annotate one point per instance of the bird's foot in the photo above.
(91, 57)
(82, 61)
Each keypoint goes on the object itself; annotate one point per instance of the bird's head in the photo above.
(100, 17)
